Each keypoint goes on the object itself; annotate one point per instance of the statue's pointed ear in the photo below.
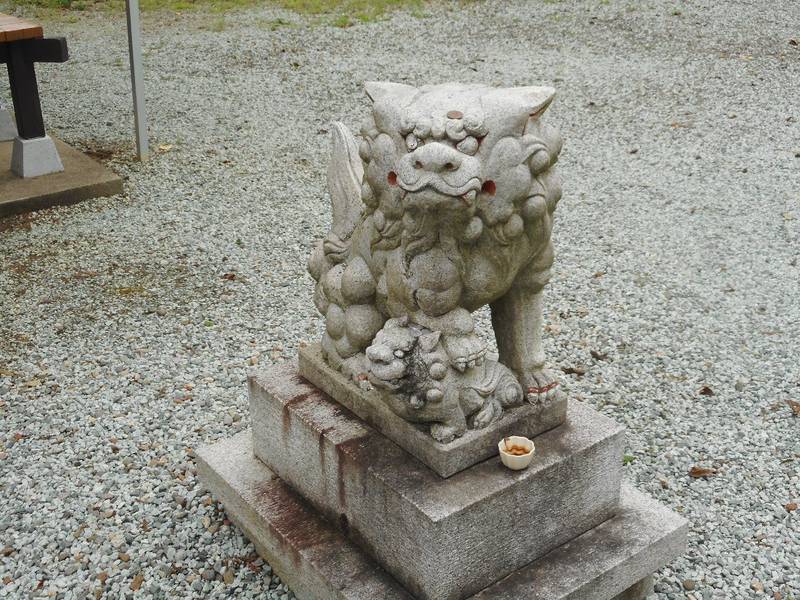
(535, 99)
(378, 90)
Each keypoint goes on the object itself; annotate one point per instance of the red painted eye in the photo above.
(489, 187)
(392, 178)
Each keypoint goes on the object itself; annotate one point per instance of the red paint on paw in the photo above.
(543, 390)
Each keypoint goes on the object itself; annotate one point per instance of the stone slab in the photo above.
(446, 459)
(81, 179)
(306, 552)
(408, 517)
(611, 562)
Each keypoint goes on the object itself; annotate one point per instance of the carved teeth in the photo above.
(470, 195)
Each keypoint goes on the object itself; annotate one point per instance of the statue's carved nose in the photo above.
(436, 158)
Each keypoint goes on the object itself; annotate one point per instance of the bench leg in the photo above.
(34, 152)
(24, 92)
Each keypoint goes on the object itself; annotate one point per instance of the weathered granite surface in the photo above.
(612, 561)
(8, 128)
(444, 206)
(473, 447)
(303, 549)
(441, 538)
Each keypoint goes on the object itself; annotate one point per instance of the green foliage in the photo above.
(340, 13)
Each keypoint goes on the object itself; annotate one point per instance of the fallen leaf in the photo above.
(228, 576)
(7, 551)
(598, 274)
(574, 371)
(102, 576)
(794, 42)
(795, 406)
(137, 582)
(84, 274)
(791, 507)
(706, 391)
(599, 355)
(229, 276)
(698, 472)
(164, 147)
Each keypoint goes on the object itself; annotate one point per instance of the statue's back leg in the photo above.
(351, 317)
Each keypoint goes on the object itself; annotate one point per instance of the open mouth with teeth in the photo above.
(387, 384)
(440, 185)
(437, 193)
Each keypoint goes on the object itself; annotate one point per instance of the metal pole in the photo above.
(135, 54)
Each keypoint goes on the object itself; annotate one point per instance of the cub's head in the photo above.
(470, 150)
(408, 358)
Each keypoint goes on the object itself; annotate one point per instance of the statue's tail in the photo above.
(345, 173)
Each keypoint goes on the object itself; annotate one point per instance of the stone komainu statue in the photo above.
(445, 206)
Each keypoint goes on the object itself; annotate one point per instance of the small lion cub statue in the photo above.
(446, 205)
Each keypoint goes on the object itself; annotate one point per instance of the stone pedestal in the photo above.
(473, 447)
(341, 511)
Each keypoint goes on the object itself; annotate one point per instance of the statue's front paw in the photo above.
(444, 434)
(540, 386)
(356, 369)
(464, 351)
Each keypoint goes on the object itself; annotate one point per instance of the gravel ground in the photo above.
(129, 324)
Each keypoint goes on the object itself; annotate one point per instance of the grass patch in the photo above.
(134, 290)
(275, 24)
(340, 13)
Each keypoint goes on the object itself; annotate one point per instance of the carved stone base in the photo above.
(445, 459)
(438, 537)
(613, 561)
(35, 157)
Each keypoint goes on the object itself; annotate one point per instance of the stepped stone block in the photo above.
(613, 561)
(443, 539)
(446, 459)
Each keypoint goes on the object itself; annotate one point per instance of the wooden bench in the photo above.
(14, 28)
(22, 44)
